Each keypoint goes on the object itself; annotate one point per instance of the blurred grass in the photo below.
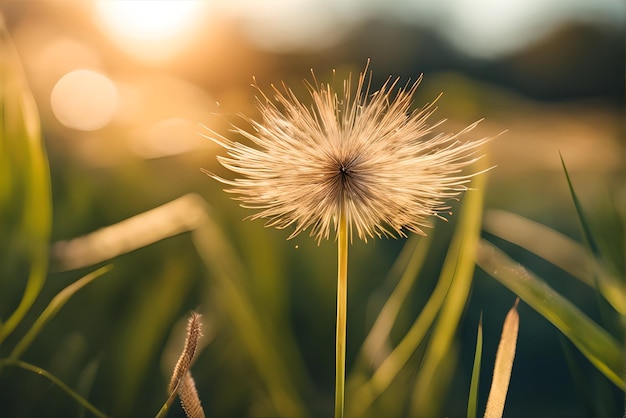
(258, 337)
(185, 213)
(25, 195)
(608, 285)
(26, 216)
(270, 307)
(431, 384)
(593, 341)
(53, 307)
(38, 370)
(605, 352)
(440, 315)
(144, 330)
(472, 403)
(408, 267)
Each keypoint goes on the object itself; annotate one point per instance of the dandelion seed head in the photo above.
(366, 154)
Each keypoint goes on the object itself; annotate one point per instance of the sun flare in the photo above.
(150, 29)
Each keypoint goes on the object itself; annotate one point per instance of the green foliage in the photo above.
(25, 197)
(472, 404)
(459, 266)
(607, 284)
(596, 343)
(53, 307)
(258, 337)
(38, 370)
(26, 212)
(269, 307)
(440, 315)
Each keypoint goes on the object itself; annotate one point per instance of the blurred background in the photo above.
(121, 88)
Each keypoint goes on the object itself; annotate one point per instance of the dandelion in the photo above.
(352, 162)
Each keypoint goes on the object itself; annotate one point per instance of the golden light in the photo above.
(84, 99)
(166, 137)
(151, 30)
(186, 213)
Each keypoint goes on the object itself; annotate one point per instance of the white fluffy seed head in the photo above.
(366, 154)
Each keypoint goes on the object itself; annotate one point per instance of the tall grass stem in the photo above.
(342, 302)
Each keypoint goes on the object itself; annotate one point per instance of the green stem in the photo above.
(38, 370)
(342, 301)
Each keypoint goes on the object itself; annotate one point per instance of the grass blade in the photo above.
(53, 307)
(610, 287)
(541, 240)
(367, 393)
(459, 266)
(220, 259)
(469, 225)
(472, 403)
(25, 195)
(38, 370)
(504, 365)
(167, 220)
(559, 250)
(380, 331)
(592, 340)
(579, 378)
(168, 403)
(579, 210)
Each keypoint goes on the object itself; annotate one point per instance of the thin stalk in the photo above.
(65, 388)
(342, 301)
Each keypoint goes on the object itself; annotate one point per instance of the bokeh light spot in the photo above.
(84, 99)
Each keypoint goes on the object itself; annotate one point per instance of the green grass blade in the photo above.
(469, 225)
(472, 403)
(147, 325)
(579, 378)
(259, 339)
(367, 393)
(593, 392)
(588, 235)
(459, 265)
(169, 401)
(559, 250)
(85, 382)
(38, 370)
(53, 307)
(381, 329)
(592, 340)
(541, 240)
(610, 287)
(25, 195)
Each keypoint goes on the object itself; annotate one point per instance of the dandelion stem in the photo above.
(342, 301)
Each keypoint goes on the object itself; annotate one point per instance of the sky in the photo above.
(481, 28)
(484, 28)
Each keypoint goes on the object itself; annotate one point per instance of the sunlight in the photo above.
(151, 30)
